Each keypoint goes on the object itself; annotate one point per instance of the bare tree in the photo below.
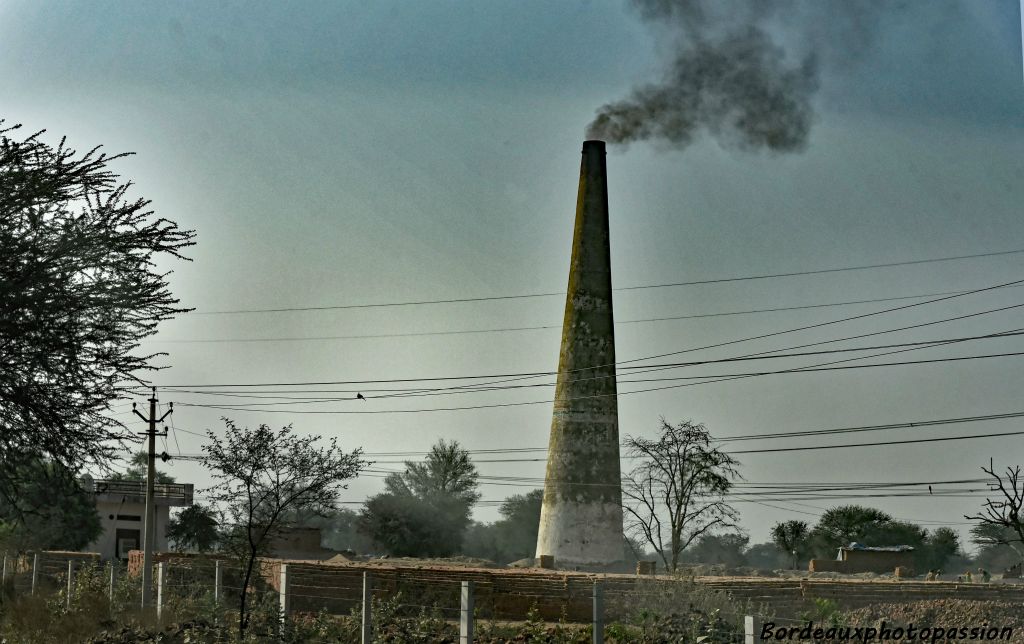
(79, 291)
(677, 491)
(265, 479)
(1000, 520)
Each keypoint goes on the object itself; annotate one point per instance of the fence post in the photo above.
(598, 613)
(113, 576)
(218, 581)
(160, 567)
(751, 629)
(71, 578)
(285, 596)
(367, 624)
(35, 572)
(466, 621)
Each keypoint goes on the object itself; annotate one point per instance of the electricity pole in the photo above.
(149, 521)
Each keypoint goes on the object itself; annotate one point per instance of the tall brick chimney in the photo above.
(581, 517)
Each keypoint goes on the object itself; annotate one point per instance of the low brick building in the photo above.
(122, 505)
(856, 558)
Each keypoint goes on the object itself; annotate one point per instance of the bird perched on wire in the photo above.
(360, 396)
(929, 489)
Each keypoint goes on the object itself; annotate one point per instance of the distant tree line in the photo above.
(843, 525)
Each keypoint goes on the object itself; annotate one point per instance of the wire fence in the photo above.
(353, 603)
(350, 603)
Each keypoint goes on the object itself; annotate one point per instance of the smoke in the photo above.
(731, 79)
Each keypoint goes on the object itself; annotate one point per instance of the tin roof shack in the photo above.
(122, 505)
(856, 558)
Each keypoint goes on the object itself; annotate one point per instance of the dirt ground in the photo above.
(944, 613)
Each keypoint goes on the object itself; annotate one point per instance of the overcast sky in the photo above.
(341, 153)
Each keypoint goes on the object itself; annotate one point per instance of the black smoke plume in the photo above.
(729, 78)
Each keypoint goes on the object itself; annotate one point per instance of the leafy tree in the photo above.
(520, 521)
(940, 547)
(894, 533)
(1004, 514)
(340, 531)
(793, 538)
(406, 526)
(55, 510)
(194, 528)
(482, 540)
(842, 525)
(725, 549)
(138, 470)
(905, 533)
(512, 537)
(446, 472)
(264, 479)
(768, 556)
(79, 290)
(425, 510)
(676, 493)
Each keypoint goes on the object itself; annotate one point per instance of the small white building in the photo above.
(122, 506)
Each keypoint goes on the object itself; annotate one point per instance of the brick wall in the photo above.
(878, 560)
(55, 562)
(510, 594)
(858, 561)
(832, 565)
(136, 557)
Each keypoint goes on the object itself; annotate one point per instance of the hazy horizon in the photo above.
(343, 154)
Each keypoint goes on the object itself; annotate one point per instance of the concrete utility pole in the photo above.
(149, 521)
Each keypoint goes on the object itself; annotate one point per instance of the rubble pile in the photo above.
(943, 613)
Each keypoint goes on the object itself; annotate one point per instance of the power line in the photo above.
(719, 280)
(187, 431)
(726, 379)
(968, 494)
(813, 369)
(415, 334)
(949, 421)
(419, 391)
(819, 514)
(715, 378)
(847, 319)
(878, 444)
(808, 369)
(625, 363)
(811, 344)
(797, 494)
(768, 354)
(763, 436)
(871, 428)
(772, 449)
